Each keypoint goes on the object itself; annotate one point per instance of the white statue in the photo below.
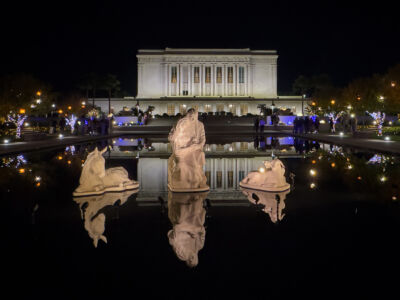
(273, 203)
(270, 177)
(185, 166)
(96, 180)
(187, 215)
(95, 221)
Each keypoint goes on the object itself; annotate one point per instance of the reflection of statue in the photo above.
(90, 207)
(273, 203)
(95, 179)
(185, 166)
(187, 215)
(271, 177)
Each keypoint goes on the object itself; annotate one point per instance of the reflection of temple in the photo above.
(226, 164)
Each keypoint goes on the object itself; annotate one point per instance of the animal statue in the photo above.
(95, 179)
(185, 166)
(272, 203)
(187, 215)
(271, 177)
(94, 220)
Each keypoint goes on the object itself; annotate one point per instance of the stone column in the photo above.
(178, 79)
(224, 81)
(190, 79)
(235, 79)
(168, 80)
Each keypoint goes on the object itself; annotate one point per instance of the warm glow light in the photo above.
(53, 105)
(83, 106)
(387, 138)
(313, 172)
(383, 179)
(6, 141)
(390, 122)
(381, 97)
(349, 167)
(393, 84)
(349, 107)
(261, 170)
(359, 178)
(38, 93)
(313, 161)
(60, 111)
(69, 107)
(21, 171)
(312, 185)
(60, 136)
(83, 103)
(322, 122)
(374, 122)
(358, 98)
(394, 198)
(22, 110)
(352, 115)
(37, 184)
(333, 165)
(69, 162)
(38, 101)
(26, 124)
(333, 102)
(341, 133)
(313, 104)
(59, 157)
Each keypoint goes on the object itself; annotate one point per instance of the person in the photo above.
(306, 124)
(54, 127)
(256, 124)
(62, 124)
(317, 124)
(331, 125)
(353, 124)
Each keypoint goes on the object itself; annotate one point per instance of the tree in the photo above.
(20, 91)
(111, 84)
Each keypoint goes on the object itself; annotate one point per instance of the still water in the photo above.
(335, 231)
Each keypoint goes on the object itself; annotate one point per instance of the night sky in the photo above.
(60, 42)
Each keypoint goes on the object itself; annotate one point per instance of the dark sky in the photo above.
(59, 42)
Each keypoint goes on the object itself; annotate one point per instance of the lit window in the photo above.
(243, 109)
(173, 74)
(208, 75)
(220, 107)
(196, 74)
(230, 74)
(171, 109)
(241, 74)
(230, 179)
(219, 74)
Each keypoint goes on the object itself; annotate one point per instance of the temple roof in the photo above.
(208, 51)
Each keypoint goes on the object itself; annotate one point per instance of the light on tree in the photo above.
(333, 102)
(22, 110)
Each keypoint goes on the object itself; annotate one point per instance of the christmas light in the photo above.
(313, 172)
(261, 170)
(312, 185)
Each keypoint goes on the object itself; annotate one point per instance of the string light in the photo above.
(312, 185)
(313, 172)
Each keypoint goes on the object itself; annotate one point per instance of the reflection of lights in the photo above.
(313, 172)
(21, 171)
(387, 138)
(230, 148)
(341, 133)
(312, 185)
(333, 165)
(6, 141)
(383, 179)
(38, 178)
(261, 170)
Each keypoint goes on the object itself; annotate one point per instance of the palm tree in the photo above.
(89, 83)
(110, 84)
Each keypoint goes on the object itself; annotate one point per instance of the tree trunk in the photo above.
(109, 101)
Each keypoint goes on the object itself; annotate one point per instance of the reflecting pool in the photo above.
(334, 231)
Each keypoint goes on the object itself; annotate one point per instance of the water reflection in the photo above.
(92, 211)
(271, 203)
(187, 212)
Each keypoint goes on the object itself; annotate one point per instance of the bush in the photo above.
(165, 115)
(210, 113)
(395, 130)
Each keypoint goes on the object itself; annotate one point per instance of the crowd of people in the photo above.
(82, 126)
(306, 124)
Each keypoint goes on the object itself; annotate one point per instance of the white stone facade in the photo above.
(207, 73)
(211, 80)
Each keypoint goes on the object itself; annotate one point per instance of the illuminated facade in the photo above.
(211, 80)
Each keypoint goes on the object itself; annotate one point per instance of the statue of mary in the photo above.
(185, 166)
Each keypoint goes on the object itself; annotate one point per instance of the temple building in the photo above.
(211, 80)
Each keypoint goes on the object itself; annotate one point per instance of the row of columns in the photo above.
(177, 90)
